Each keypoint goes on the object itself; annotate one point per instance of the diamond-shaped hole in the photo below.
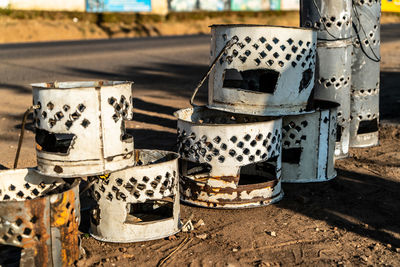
(263, 54)
(85, 123)
(275, 40)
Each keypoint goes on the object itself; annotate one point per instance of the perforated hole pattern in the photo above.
(18, 231)
(70, 114)
(294, 134)
(216, 148)
(136, 188)
(272, 52)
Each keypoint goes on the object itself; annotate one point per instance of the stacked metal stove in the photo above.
(261, 126)
(348, 66)
(80, 132)
(333, 22)
(364, 125)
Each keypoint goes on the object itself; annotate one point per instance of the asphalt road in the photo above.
(162, 67)
(173, 64)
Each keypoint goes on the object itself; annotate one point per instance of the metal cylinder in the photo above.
(80, 128)
(138, 203)
(268, 71)
(308, 144)
(39, 219)
(332, 83)
(364, 126)
(332, 19)
(229, 160)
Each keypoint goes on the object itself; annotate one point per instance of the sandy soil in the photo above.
(40, 29)
(352, 220)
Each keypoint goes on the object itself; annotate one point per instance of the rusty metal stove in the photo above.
(269, 70)
(138, 203)
(80, 127)
(364, 124)
(229, 160)
(39, 219)
(308, 143)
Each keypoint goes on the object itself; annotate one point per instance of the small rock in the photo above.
(389, 246)
(123, 250)
(271, 233)
(364, 258)
(317, 229)
(235, 250)
(398, 250)
(199, 223)
(126, 255)
(202, 236)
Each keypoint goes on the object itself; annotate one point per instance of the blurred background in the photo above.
(51, 20)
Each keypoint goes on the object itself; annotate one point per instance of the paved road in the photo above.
(162, 67)
(161, 63)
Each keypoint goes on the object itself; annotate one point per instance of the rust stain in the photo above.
(63, 217)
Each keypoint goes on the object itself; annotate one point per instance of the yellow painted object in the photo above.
(391, 5)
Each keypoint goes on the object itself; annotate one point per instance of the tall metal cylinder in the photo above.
(365, 74)
(333, 21)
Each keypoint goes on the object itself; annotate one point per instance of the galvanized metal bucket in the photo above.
(268, 71)
(229, 160)
(138, 203)
(364, 125)
(39, 219)
(80, 127)
(332, 83)
(332, 19)
(308, 145)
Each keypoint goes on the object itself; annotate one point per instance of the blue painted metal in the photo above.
(118, 5)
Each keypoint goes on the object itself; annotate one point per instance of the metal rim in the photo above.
(79, 84)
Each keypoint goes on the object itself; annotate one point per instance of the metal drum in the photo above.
(39, 219)
(229, 160)
(269, 70)
(332, 19)
(364, 126)
(308, 142)
(138, 203)
(80, 128)
(332, 83)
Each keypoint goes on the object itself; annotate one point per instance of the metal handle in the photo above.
(227, 46)
(21, 136)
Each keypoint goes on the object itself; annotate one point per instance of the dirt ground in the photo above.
(41, 28)
(352, 220)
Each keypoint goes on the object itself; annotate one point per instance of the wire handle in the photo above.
(21, 136)
(227, 46)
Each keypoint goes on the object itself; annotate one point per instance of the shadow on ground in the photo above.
(364, 204)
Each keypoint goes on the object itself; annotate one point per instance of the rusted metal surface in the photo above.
(364, 125)
(308, 145)
(268, 71)
(80, 127)
(40, 215)
(332, 19)
(229, 160)
(138, 203)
